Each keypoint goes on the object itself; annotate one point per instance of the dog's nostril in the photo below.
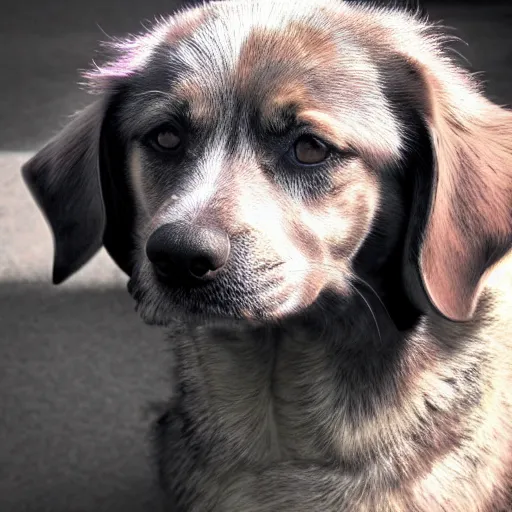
(163, 268)
(200, 267)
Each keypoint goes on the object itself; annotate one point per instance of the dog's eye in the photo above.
(166, 140)
(309, 150)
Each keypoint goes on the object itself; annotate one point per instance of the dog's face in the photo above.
(250, 153)
(267, 152)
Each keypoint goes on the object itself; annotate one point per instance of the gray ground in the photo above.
(77, 367)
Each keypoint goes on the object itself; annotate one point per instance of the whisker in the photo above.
(153, 93)
(332, 268)
(370, 308)
(108, 36)
(354, 276)
(370, 287)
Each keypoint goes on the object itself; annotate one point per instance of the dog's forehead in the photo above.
(231, 60)
(226, 26)
(267, 55)
(259, 47)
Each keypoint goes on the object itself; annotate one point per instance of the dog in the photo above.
(315, 199)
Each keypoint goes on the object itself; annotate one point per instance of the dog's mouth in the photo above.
(263, 293)
(260, 295)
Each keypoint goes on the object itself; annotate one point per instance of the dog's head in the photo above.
(245, 157)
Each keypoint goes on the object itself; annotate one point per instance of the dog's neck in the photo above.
(264, 377)
(329, 384)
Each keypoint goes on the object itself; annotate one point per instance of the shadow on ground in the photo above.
(78, 370)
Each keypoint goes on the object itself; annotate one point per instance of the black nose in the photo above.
(181, 251)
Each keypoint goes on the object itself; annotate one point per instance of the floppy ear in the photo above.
(77, 180)
(466, 225)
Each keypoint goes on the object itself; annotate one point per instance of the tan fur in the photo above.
(475, 173)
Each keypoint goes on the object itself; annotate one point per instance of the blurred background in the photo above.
(77, 366)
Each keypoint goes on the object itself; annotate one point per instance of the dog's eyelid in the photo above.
(171, 124)
(309, 130)
(144, 130)
(335, 153)
(347, 150)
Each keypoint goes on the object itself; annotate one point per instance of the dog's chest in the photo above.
(256, 399)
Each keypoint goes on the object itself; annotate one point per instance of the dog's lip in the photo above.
(189, 302)
(173, 280)
(263, 268)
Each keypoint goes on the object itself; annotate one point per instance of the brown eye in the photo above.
(310, 150)
(168, 140)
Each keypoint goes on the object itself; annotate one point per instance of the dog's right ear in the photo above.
(65, 182)
(71, 180)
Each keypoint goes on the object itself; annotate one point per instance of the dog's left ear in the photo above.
(466, 227)
(78, 181)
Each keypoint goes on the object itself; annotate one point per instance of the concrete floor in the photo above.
(77, 367)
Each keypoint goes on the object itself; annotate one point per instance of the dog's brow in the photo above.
(149, 109)
(280, 121)
(323, 125)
